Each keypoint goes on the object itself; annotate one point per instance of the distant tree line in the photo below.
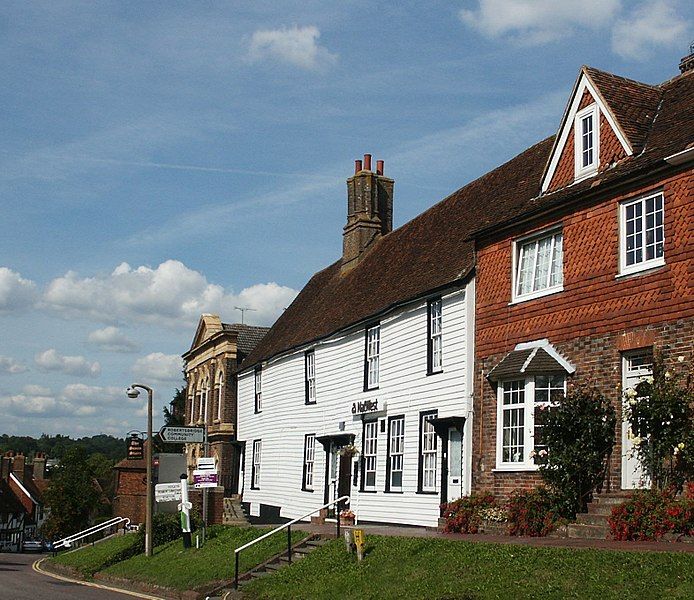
(57, 446)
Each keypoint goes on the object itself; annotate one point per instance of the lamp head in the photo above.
(132, 392)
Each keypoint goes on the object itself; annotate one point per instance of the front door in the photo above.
(455, 464)
(339, 475)
(635, 367)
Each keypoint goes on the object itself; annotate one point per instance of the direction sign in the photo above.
(204, 478)
(182, 435)
(167, 492)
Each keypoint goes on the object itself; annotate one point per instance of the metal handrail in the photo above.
(288, 526)
(66, 542)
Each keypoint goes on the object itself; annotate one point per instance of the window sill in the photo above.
(643, 269)
(368, 491)
(515, 468)
(392, 491)
(371, 389)
(303, 489)
(254, 488)
(423, 493)
(310, 403)
(429, 373)
(534, 295)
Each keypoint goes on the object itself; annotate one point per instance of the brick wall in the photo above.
(596, 316)
(215, 504)
(131, 495)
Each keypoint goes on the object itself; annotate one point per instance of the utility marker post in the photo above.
(185, 507)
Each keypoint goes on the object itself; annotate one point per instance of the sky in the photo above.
(160, 160)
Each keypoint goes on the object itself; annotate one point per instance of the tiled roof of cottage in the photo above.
(249, 335)
(436, 249)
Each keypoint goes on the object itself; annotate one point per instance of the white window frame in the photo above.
(370, 455)
(528, 428)
(310, 375)
(309, 461)
(258, 395)
(256, 459)
(372, 358)
(519, 245)
(581, 171)
(429, 453)
(435, 336)
(220, 395)
(644, 264)
(396, 451)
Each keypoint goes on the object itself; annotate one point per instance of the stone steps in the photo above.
(593, 524)
(233, 513)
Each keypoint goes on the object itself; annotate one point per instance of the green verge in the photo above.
(405, 568)
(174, 567)
(91, 559)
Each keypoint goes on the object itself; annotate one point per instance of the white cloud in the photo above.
(650, 26)
(16, 292)
(297, 46)
(157, 366)
(538, 21)
(75, 400)
(171, 294)
(112, 339)
(52, 360)
(11, 366)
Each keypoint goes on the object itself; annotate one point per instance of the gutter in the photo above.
(680, 158)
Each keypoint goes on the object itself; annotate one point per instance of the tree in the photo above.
(660, 411)
(72, 496)
(579, 433)
(175, 415)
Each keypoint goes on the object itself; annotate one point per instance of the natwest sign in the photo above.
(367, 406)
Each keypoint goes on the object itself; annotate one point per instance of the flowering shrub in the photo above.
(534, 512)
(494, 514)
(650, 514)
(465, 514)
(660, 410)
(579, 433)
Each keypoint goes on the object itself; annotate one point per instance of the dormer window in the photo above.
(587, 141)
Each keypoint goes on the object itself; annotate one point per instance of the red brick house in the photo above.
(589, 271)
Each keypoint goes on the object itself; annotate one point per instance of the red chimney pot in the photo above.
(367, 162)
(379, 167)
(357, 166)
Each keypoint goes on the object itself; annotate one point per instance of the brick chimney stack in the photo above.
(687, 62)
(369, 211)
(18, 466)
(39, 465)
(6, 466)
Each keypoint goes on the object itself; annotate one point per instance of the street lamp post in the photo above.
(134, 393)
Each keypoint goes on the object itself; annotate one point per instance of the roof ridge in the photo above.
(627, 79)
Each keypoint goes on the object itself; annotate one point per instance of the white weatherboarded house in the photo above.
(363, 387)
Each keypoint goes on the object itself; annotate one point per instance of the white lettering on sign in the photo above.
(208, 463)
(167, 492)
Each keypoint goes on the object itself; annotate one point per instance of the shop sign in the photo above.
(366, 407)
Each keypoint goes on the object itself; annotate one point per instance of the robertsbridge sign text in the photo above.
(182, 435)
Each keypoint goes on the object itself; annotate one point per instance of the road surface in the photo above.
(18, 581)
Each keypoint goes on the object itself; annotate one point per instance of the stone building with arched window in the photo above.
(210, 370)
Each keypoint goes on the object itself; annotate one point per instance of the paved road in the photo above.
(18, 581)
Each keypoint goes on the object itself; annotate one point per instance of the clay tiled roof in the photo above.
(531, 361)
(633, 104)
(249, 335)
(436, 249)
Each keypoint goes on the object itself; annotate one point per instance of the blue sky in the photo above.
(159, 160)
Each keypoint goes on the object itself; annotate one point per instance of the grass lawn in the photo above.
(91, 559)
(172, 566)
(446, 569)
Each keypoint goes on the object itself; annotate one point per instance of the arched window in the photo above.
(204, 395)
(220, 395)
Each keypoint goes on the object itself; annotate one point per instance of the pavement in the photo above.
(20, 580)
(547, 542)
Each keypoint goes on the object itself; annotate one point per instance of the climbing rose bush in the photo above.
(660, 410)
(579, 433)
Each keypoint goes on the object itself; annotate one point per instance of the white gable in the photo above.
(583, 84)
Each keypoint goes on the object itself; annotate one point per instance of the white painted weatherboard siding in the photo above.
(404, 386)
